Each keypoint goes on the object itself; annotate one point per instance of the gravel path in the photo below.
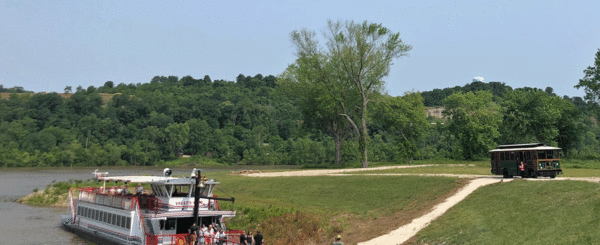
(315, 172)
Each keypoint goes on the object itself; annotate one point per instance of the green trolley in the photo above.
(526, 160)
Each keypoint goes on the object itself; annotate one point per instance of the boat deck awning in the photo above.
(184, 214)
(148, 179)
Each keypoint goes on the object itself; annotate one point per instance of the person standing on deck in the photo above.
(139, 190)
(193, 231)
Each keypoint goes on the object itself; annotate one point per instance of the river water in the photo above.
(23, 224)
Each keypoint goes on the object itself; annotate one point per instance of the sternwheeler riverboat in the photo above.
(158, 216)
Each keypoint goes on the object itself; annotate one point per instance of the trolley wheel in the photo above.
(552, 176)
(523, 174)
(532, 174)
(505, 173)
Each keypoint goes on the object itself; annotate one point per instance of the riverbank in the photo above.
(50, 197)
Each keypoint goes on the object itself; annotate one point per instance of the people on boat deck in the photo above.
(193, 231)
(220, 237)
(258, 238)
(139, 190)
(338, 240)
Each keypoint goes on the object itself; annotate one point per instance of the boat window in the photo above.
(154, 191)
(170, 224)
(169, 189)
(128, 224)
(161, 223)
(101, 215)
(162, 190)
(105, 219)
(181, 190)
(114, 219)
(109, 220)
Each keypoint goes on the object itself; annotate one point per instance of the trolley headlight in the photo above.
(539, 165)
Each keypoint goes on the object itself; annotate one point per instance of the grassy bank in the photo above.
(302, 210)
(521, 212)
(55, 194)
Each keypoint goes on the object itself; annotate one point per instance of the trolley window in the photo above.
(541, 155)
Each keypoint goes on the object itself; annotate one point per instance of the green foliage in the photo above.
(404, 118)
(474, 121)
(591, 81)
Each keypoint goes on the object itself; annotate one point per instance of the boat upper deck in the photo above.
(166, 194)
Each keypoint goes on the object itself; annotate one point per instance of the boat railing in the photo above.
(232, 238)
(152, 239)
(106, 196)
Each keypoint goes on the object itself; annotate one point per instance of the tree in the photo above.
(591, 81)
(530, 115)
(535, 115)
(177, 136)
(474, 121)
(358, 56)
(405, 116)
(68, 89)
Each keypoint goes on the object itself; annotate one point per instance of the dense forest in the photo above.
(261, 120)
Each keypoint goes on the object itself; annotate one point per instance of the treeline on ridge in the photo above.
(258, 120)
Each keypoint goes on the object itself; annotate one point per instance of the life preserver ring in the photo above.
(180, 241)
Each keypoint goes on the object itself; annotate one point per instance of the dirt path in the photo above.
(315, 172)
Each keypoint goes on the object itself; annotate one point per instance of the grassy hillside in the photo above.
(521, 212)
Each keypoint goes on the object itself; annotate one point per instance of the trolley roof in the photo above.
(524, 148)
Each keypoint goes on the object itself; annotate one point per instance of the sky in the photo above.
(48, 45)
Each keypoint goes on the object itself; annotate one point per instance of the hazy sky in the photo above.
(47, 45)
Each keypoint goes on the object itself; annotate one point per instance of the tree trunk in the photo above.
(338, 148)
(364, 134)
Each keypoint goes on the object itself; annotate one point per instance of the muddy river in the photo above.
(23, 224)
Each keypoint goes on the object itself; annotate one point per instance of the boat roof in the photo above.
(537, 148)
(150, 179)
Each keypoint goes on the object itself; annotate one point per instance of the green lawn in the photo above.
(331, 205)
(521, 212)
